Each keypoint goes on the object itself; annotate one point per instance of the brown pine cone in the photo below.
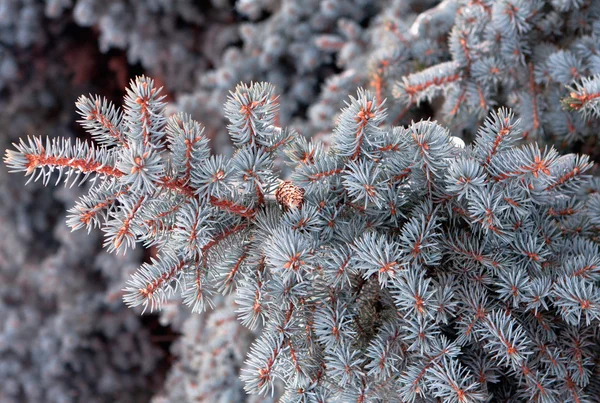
(289, 195)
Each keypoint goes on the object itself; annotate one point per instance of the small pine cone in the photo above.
(289, 195)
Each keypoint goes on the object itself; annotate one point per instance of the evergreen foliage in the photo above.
(466, 58)
(413, 268)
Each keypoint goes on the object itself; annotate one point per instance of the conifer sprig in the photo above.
(394, 265)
